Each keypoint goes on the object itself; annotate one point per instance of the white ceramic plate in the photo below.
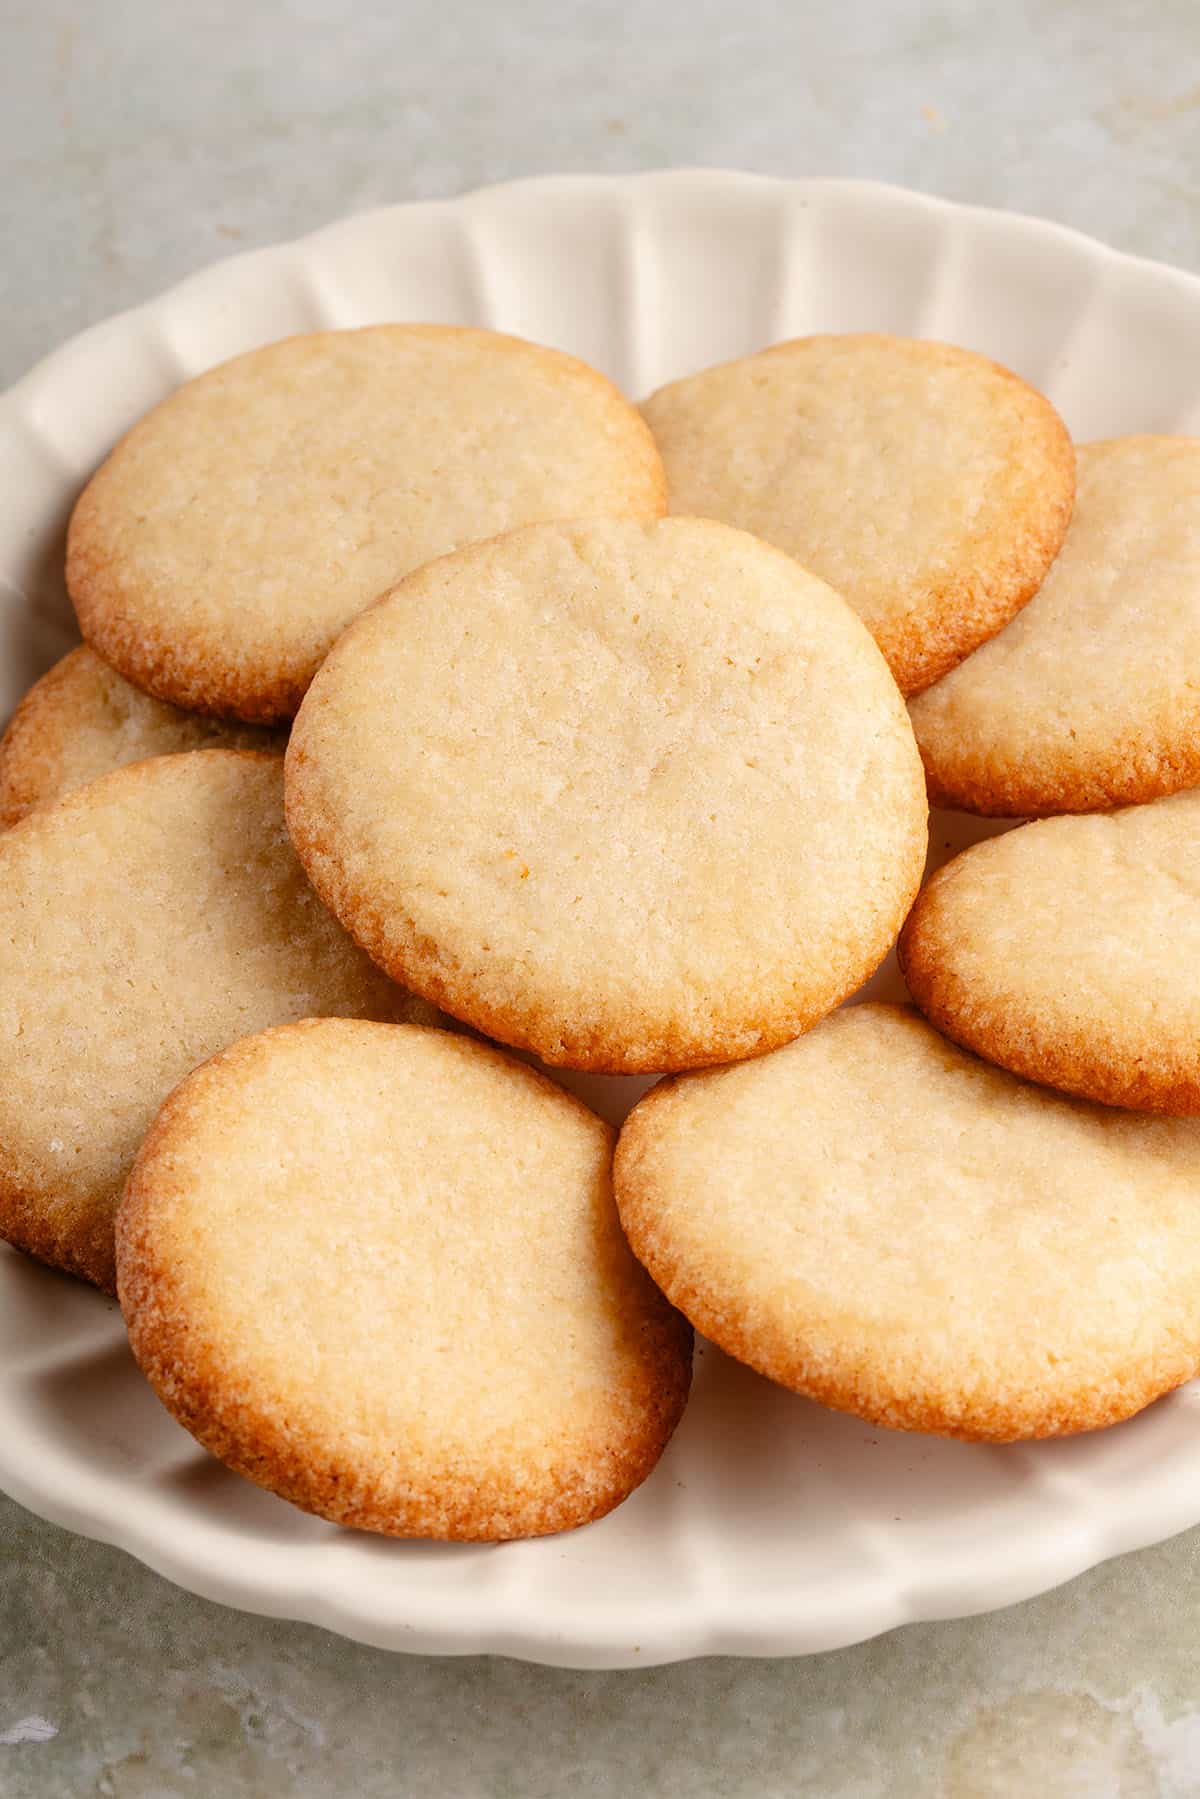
(771, 1527)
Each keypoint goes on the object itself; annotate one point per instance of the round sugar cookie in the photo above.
(379, 1271)
(632, 796)
(930, 486)
(1069, 951)
(83, 719)
(145, 922)
(1088, 700)
(877, 1220)
(245, 521)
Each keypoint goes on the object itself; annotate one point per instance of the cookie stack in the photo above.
(434, 699)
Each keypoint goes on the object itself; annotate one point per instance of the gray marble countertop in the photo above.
(143, 140)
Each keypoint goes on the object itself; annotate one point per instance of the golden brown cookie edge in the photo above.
(1087, 1065)
(412, 960)
(858, 1391)
(971, 612)
(165, 668)
(187, 1376)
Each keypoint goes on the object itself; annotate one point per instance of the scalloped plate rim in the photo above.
(886, 191)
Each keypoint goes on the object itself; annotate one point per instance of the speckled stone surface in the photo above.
(142, 140)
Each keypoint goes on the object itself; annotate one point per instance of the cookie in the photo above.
(929, 486)
(145, 922)
(238, 528)
(1069, 951)
(875, 1219)
(83, 719)
(632, 796)
(1088, 700)
(379, 1271)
